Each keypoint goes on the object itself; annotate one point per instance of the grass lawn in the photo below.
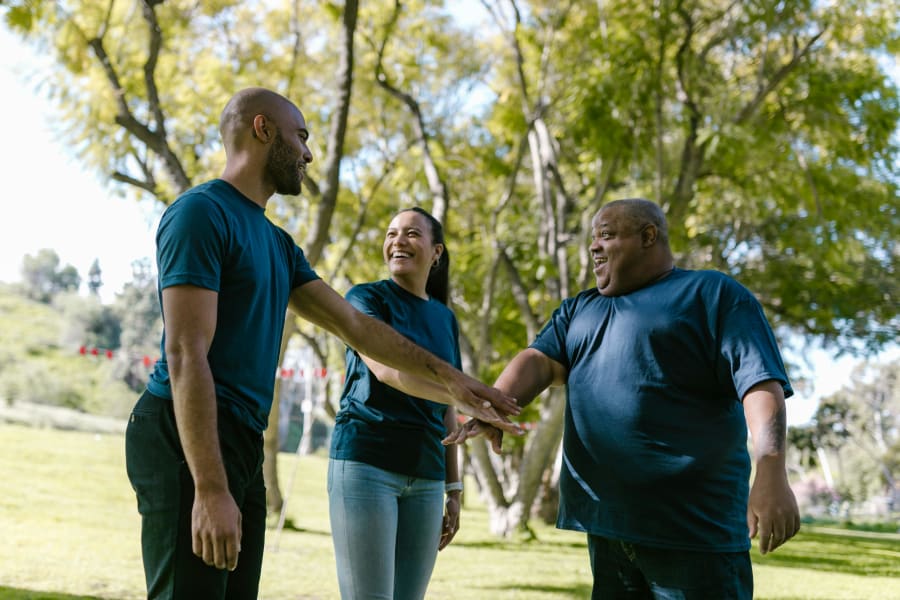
(70, 531)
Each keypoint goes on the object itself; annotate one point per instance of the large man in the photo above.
(665, 369)
(226, 277)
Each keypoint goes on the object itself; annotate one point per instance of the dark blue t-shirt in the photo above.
(655, 443)
(216, 238)
(380, 425)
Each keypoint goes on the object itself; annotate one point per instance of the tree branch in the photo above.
(796, 56)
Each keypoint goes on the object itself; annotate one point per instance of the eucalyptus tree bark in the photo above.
(440, 195)
(326, 194)
(510, 505)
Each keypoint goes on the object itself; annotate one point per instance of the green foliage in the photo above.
(137, 309)
(88, 322)
(766, 130)
(858, 426)
(43, 277)
(37, 365)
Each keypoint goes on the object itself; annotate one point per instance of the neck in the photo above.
(249, 185)
(665, 272)
(413, 287)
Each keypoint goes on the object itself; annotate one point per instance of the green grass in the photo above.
(69, 530)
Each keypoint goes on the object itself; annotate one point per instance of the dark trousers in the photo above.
(165, 495)
(623, 570)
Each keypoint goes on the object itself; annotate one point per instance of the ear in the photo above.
(438, 250)
(649, 235)
(261, 129)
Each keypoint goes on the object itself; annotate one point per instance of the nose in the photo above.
(306, 154)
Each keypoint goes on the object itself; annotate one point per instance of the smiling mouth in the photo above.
(401, 255)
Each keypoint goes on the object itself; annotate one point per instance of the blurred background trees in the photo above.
(767, 130)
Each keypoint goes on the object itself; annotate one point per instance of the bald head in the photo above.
(638, 212)
(629, 246)
(237, 116)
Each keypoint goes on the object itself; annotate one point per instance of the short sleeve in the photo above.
(190, 243)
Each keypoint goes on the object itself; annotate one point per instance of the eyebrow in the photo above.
(409, 228)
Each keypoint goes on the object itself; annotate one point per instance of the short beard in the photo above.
(281, 168)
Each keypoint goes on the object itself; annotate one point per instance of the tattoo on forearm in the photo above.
(772, 437)
(778, 427)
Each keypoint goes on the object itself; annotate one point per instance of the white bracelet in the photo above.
(453, 486)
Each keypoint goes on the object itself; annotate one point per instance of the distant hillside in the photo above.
(38, 365)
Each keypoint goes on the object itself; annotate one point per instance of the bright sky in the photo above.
(53, 202)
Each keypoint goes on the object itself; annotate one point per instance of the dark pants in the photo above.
(165, 496)
(631, 571)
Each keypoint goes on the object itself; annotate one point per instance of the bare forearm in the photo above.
(321, 305)
(766, 416)
(528, 374)
(383, 344)
(196, 415)
(452, 452)
(414, 385)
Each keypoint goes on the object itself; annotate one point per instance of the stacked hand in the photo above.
(474, 428)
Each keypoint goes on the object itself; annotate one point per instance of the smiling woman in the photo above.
(57, 203)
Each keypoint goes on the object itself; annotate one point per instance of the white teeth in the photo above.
(400, 255)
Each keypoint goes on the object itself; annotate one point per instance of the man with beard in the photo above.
(665, 369)
(227, 275)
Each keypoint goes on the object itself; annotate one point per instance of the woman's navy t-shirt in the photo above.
(382, 426)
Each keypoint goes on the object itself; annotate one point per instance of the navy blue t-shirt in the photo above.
(216, 238)
(655, 443)
(380, 425)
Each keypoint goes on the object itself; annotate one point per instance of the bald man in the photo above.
(227, 275)
(665, 371)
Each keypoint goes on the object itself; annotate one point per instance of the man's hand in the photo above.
(772, 510)
(216, 529)
(483, 402)
(472, 429)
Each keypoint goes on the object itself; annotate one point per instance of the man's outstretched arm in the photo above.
(528, 374)
(318, 303)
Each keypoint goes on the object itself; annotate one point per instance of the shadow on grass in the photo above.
(844, 553)
(289, 525)
(8, 593)
(523, 546)
(578, 591)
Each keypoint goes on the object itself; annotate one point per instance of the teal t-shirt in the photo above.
(655, 442)
(382, 426)
(216, 238)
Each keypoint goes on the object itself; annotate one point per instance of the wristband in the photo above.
(453, 486)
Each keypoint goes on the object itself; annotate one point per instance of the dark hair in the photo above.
(438, 284)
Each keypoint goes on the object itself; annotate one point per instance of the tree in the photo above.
(43, 278)
(766, 130)
(138, 310)
(158, 139)
(95, 278)
(858, 427)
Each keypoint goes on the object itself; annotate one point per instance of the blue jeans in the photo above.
(623, 570)
(386, 528)
(165, 496)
